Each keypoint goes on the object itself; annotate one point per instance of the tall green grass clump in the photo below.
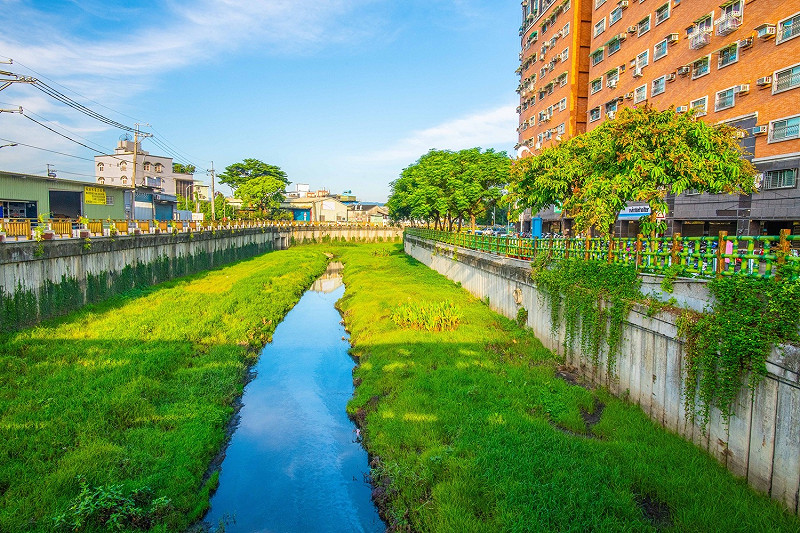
(430, 316)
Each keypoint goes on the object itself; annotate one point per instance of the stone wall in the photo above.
(762, 441)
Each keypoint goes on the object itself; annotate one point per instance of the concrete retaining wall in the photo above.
(762, 441)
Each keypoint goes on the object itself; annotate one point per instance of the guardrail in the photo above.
(707, 257)
(24, 228)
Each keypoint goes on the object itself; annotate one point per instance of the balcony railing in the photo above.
(785, 131)
(699, 40)
(729, 24)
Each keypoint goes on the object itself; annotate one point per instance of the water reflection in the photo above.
(293, 463)
(330, 280)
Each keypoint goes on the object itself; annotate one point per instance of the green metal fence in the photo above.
(707, 257)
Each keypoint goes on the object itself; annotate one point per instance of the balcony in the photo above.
(729, 24)
(700, 39)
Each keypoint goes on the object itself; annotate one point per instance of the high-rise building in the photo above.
(554, 76)
(735, 62)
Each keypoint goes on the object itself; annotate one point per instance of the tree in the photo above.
(257, 183)
(642, 155)
(179, 168)
(445, 187)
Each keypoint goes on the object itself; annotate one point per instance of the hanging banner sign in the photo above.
(634, 211)
(94, 195)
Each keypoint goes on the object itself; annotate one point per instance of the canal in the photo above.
(293, 462)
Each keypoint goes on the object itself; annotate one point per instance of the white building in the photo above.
(157, 186)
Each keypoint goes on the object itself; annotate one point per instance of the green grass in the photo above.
(132, 397)
(473, 431)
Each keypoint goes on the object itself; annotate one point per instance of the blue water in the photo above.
(293, 463)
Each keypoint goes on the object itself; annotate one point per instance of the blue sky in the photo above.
(341, 94)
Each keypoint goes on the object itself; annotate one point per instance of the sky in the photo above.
(341, 94)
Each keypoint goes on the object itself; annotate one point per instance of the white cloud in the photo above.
(496, 127)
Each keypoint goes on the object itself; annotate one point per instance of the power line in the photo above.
(45, 126)
(46, 150)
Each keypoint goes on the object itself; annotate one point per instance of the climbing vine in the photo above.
(590, 299)
(733, 341)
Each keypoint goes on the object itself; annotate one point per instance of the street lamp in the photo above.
(4, 145)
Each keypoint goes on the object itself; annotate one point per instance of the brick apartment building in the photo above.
(736, 62)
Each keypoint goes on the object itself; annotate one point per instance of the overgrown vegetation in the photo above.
(731, 343)
(429, 316)
(473, 430)
(110, 416)
(591, 299)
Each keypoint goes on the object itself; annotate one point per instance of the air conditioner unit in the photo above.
(672, 38)
(632, 29)
(766, 80)
(741, 134)
(760, 130)
(628, 96)
(671, 76)
(742, 89)
(611, 114)
(765, 32)
(623, 4)
(684, 70)
(681, 109)
(622, 36)
(633, 62)
(612, 84)
(746, 43)
(637, 72)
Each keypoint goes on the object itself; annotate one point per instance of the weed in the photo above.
(430, 316)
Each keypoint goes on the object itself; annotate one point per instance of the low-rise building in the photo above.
(28, 196)
(316, 209)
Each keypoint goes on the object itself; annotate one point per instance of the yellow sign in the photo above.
(94, 195)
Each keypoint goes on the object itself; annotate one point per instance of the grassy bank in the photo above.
(472, 429)
(114, 412)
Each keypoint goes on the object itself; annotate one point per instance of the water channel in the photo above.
(293, 463)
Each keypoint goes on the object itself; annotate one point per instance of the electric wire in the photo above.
(46, 149)
(45, 126)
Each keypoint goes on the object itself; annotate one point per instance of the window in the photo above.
(643, 59)
(615, 15)
(700, 106)
(597, 56)
(659, 86)
(565, 54)
(701, 67)
(662, 13)
(732, 9)
(640, 94)
(561, 128)
(598, 3)
(596, 85)
(611, 108)
(785, 79)
(782, 130)
(159, 167)
(728, 55)
(562, 80)
(124, 180)
(612, 78)
(789, 28)
(660, 50)
(109, 200)
(600, 27)
(562, 104)
(594, 114)
(780, 179)
(644, 26)
(565, 30)
(613, 45)
(100, 167)
(147, 166)
(123, 166)
(725, 99)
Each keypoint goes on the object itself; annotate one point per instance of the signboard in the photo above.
(328, 206)
(94, 195)
(634, 212)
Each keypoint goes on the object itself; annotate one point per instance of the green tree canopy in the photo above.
(445, 187)
(183, 169)
(642, 155)
(257, 183)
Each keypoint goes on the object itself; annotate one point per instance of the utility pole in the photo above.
(213, 198)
